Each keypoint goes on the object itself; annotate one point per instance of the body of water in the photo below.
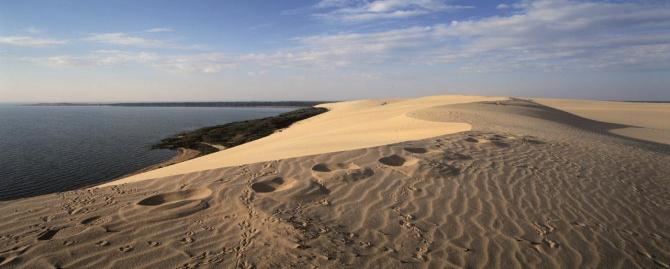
(45, 149)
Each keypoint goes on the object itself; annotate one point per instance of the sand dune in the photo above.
(645, 121)
(528, 186)
(347, 126)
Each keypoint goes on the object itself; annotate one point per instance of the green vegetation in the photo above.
(236, 133)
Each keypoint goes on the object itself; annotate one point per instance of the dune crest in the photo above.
(347, 126)
(644, 121)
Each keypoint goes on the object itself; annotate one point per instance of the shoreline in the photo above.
(193, 144)
(236, 133)
(183, 154)
(360, 124)
(238, 104)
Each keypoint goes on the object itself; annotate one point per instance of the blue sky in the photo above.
(332, 49)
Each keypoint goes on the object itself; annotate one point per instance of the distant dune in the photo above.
(433, 182)
(646, 121)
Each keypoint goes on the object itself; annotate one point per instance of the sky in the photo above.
(173, 50)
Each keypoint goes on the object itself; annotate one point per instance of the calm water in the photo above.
(51, 149)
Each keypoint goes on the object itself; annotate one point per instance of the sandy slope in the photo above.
(347, 126)
(646, 121)
(528, 187)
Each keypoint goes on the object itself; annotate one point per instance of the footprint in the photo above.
(471, 139)
(126, 248)
(416, 150)
(178, 196)
(341, 171)
(321, 167)
(497, 137)
(69, 231)
(99, 221)
(531, 140)
(166, 206)
(448, 155)
(272, 185)
(304, 190)
(500, 144)
(395, 160)
(187, 240)
(325, 168)
(90, 220)
(102, 243)
(48, 234)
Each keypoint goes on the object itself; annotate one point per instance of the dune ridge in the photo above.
(645, 121)
(348, 125)
(528, 187)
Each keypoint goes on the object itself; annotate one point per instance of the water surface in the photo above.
(45, 149)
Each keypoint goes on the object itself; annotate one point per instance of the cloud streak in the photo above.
(197, 63)
(159, 30)
(124, 39)
(128, 40)
(540, 35)
(363, 11)
(547, 34)
(28, 41)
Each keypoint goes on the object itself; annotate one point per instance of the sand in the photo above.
(527, 186)
(644, 121)
(347, 126)
(183, 154)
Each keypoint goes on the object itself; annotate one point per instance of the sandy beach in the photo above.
(432, 182)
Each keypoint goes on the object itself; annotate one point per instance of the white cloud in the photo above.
(126, 40)
(96, 58)
(503, 6)
(28, 41)
(563, 34)
(540, 35)
(159, 30)
(545, 34)
(334, 3)
(360, 11)
(196, 63)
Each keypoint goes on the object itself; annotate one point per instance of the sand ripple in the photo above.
(529, 187)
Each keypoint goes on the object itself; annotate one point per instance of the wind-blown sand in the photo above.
(526, 186)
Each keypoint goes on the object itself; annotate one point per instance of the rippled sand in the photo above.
(529, 186)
